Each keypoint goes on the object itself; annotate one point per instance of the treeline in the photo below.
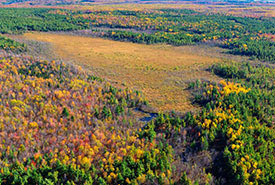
(159, 37)
(9, 44)
(260, 48)
(19, 20)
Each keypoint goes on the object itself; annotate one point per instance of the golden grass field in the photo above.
(161, 72)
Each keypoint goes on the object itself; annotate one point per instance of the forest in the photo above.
(242, 35)
(61, 124)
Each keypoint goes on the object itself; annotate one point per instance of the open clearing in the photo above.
(161, 72)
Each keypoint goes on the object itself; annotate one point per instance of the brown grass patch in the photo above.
(161, 72)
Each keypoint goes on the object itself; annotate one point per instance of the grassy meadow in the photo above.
(161, 72)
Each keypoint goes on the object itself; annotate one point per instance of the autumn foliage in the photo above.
(59, 124)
